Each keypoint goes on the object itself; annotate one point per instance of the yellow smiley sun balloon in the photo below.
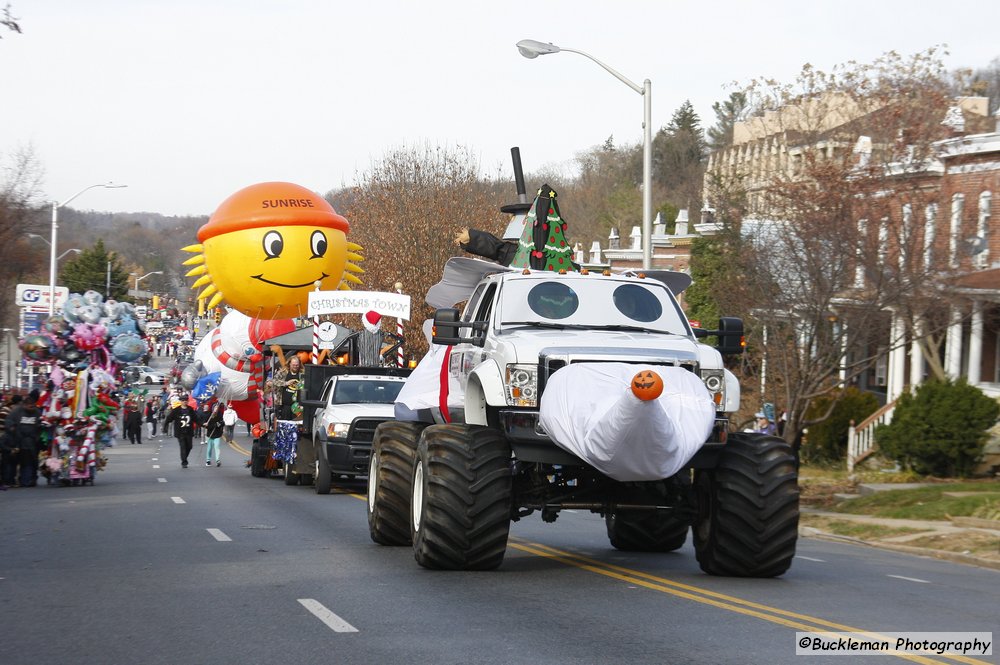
(266, 246)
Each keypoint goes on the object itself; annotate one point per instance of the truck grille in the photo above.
(550, 360)
(363, 430)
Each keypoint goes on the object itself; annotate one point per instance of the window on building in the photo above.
(882, 367)
(930, 220)
(906, 236)
(957, 201)
(859, 266)
(883, 240)
(982, 258)
(996, 362)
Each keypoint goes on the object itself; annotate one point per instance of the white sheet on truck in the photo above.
(589, 410)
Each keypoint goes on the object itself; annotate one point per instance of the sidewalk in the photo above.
(983, 533)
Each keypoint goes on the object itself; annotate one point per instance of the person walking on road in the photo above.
(203, 413)
(133, 423)
(8, 445)
(24, 424)
(183, 418)
(229, 418)
(150, 414)
(164, 408)
(214, 426)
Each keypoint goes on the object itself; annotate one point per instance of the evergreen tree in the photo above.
(940, 429)
(89, 271)
(720, 135)
(678, 156)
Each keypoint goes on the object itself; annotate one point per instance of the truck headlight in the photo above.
(337, 430)
(715, 382)
(522, 385)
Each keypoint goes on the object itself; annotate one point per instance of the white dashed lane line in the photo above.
(177, 499)
(156, 466)
(318, 610)
(218, 535)
(809, 558)
(161, 480)
(910, 579)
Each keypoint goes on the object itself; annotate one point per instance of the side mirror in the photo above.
(730, 334)
(446, 327)
(731, 340)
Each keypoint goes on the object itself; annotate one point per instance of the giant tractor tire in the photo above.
(748, 508)
(652, 531)
(461, 505)
(390, 472)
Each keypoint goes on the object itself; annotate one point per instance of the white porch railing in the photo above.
(861, 437)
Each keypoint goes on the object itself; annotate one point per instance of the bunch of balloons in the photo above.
(90, 331)
(83, 348)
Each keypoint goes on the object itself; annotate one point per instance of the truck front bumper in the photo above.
(347, 458)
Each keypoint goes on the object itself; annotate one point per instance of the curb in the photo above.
(976, 523)
(954, 557)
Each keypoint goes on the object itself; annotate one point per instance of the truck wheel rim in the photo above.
(372, 482)
(418, 496)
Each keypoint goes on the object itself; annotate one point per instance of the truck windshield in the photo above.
(592, 302)
(369, 391)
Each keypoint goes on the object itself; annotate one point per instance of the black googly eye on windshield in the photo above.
(273, 244)
(317, 242)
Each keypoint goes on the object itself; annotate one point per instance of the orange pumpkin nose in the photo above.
(647, 385)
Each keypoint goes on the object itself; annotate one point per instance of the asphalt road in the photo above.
(156, 564)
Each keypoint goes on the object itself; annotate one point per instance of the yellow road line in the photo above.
(801, 622)
(715, 599)
(238, 448)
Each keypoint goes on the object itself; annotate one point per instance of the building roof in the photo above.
(985, 280)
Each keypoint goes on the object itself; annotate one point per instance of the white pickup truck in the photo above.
(352, 404)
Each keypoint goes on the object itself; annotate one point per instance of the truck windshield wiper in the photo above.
(632, 329)
(542, 324)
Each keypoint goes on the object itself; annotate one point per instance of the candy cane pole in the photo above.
(399, 330)
(315, 345)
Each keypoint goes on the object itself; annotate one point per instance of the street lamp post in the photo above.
(139, 279)
(46, 241)
(55, 230)
(530, 48)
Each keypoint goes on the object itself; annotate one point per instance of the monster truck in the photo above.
(451, 479)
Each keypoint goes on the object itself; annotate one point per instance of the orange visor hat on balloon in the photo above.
(270, 204)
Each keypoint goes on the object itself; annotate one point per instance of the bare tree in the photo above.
(405, 212)
(8, 20)
(19, 200)
(835, 168)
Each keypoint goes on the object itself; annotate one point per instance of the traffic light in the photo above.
(218, 315)
(156, 301)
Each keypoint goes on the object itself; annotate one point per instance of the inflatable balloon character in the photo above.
(267, 246)
(234, 351)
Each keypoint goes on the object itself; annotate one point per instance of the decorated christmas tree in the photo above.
(543, 243)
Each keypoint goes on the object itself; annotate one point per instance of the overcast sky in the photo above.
(187, 101)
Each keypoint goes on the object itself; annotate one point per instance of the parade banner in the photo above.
(359, 302)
